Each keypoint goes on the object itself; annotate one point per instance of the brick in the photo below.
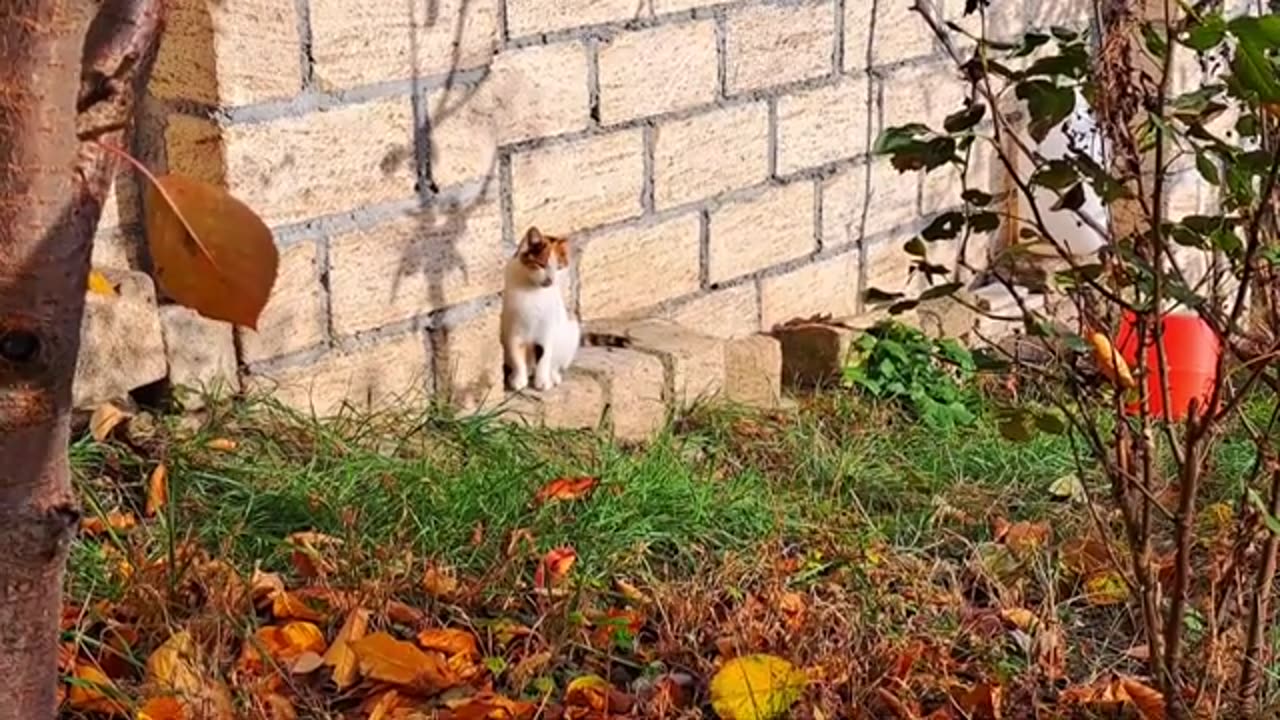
(359, 43)
(529, 92)
(530, 17)
(905, 103)
(637, 267)
(468, 360)
(195, 147)
(813, 355)
(634, 386)
(578, 403)
(121, 343)
(201, 354)
(900, 34)
(232, 52)
(892, 200)
(710, 154)
(323, 163)
(663, 7)
(1005, 22)
(829, 286)
(659, 70)
(772, 227)
(887, 266)
(768, 45)
(1073, 14)
(392, 373)
(693, 363)
(119, 248)
(569, 187)
(123, 204)
(844, 202)
(731, 312)
(294, 318)
(415, 264)
(753, 371)
(821, 126)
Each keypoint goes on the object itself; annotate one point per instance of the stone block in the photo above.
(637, 267)
(900, 34)
(201, 355)
(231, 52)
(905, 103)
(730, 312)
(710, 154)
(578, 403)
(298, 168)
(395, 372)
(416, 264)
(768, 45)
(824, 287)
(467, 354)
(634, 384)
(572, 186)
(813, 355)
(121, 341)
(770, 227)
(295, 317)
(823, 125)
(659, 70)
(531, 92)
(359, 43)
(753, 371)
(693, 363)
(531, 17)
(887, 267)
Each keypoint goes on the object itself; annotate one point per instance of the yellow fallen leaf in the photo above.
(222, 444)
(106, 417)
(440, 582)
(163, 708)
(1105, 588)
(100, 285)
(93, 692)
(117, 520)
(340, 655)
(1020, 618)
(157, 490)
(450, 641)
(211, 252)
(1110, 362)
(386, 659)
(175, 667)
(756, 687)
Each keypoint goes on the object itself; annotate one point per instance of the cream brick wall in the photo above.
(708, 159)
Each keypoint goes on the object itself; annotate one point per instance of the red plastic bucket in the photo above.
(1191, 352)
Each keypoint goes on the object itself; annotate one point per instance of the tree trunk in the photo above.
(70, 71)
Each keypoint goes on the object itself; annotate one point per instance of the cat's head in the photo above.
(542, 257)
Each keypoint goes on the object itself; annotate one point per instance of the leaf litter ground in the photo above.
(835, 560)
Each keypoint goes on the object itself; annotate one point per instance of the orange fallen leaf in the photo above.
(1148, 700)
(340, 656)
(439, 582)
(613, 622)
(106, 417)
(385, 659)
(100, 285)
(275, 706)
(211, 252)
(1115, 693)
(449, 641)
(287, 606)
(980, 702)
(385, 704)
(93, 692)
(163, 708)
(570, 488)
(488, 706)
(115, 520)
(178, 667)
(222, 444)
(157, 490)
(588, 691)
(284, 644)
(1021, 618)
(1022, 536)
(553, 568)
(307, 553)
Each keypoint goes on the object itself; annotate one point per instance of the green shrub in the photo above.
(897, 363)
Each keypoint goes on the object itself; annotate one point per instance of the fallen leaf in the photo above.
(1022, 536)
(439, 582)
(210, 251)
(488, 706)
(630, 592)
(222, 444)
(340, 656)
(615, 621)
(553, 568)
(1084, 556)
(275, 706)
(1021, 618)
(449, 641)
(1105, 588)
(105, 418)
(92, 691)
(287, 606)
(385, 659)
(307, 553)
(306, 663)
(756, 687)
(176, 668)
(157, 490)
(1148, 700)
(571, 488)
(1068, 487)
(671, 692)
(264, 585)
(980, 702)
(163, 708)
(589, 691)
(100, 285)
(114, 520)
(385, 704)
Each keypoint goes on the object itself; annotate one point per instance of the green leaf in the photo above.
(1207, 170)
(965, 119)
(1068, 487)
(915, 246)
(1205, 35)
(976, 198)
(1050, 423)
(1254, 74)
(1017, 428)
(984, 222)
(898, 138)
(938, 291)
(1072, 199)
(1049, 105)
(1154, 41)
(1031, 42)
(877, 296)
(1055, 175)
(944, 227)
(1271, 521)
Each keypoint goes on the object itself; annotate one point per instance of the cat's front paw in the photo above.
(542, 383)
(519, 382)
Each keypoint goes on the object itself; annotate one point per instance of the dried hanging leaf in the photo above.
(553, 568)
(93, 692)
(211, 252)
(106, 417)
(756, 687)
(450, 641)
(340, 655)
(119, 521)
(385, 659)
(1109, 361)
(571, 488)
(100, 285)
(157, 490)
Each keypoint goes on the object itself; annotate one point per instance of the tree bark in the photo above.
(70, 71)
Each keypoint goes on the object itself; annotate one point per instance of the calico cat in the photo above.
(538, 334)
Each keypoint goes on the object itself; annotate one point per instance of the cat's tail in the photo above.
(599, 339)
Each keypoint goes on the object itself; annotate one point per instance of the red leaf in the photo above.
(571, 488)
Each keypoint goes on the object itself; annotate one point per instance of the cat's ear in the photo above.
(533, 239)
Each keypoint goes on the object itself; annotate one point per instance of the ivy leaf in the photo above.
(1072, 199)
(965, 119)
(1031, 42)
(1048, 104)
